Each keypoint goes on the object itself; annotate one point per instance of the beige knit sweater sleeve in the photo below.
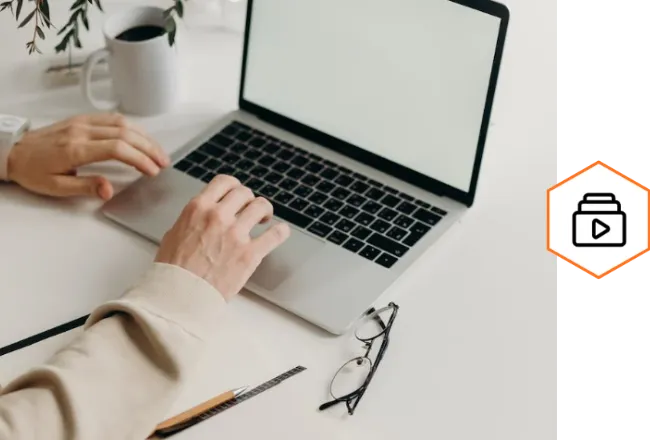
(119, 378)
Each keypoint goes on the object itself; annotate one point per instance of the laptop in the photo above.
(364, 123)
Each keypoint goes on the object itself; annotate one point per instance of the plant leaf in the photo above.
(171, 37)
(99, 5)
(45, 10)
(76, 4)
(40, 33)
(167, 12)
(179, 8)
(84, 20)
(19, 7)
(4, 6)
(170, 24)
(26, 20)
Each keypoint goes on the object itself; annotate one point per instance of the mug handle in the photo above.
(86, 76)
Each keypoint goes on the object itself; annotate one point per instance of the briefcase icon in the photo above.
(599, 222)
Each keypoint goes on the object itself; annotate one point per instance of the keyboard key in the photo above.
(229, 130)
(325, 186)
(299, 204)
(252, 154)
(371, 207)
(420, 228)
(364, 218)
(259, 171)
(291, 216)
(388, 189)
(375, 194)
(356, 200)
(406, 197)
(353, 245)
(359, 187)
(212, 164)
(329, 218)
(285, 154)
(299, 160)
(396, 233)
(404, 221)
(386, 260)
(212, 150)
(245, 164)
(348, 211)
(226, 169)
(375, 183)
(303, 191)
(310, 180)
(329, 163)
(329, 173)
(319, 229)
(288, 184)
(271, 148)
(207, 177)
(314, 167)
(269, 191)
(197, 157)
(238, 148)
(313, 156)
(359, 176)
(183, 165)
(337, 237)
(318, 198)
(284, 197)
(255, 184)
(223, 140)
(244, 136)
(361, 233)
(406, 207)
(388, 245)
(345, 225)
(196, 171)
(267, 160)
(390, 201)
(347, 171)
(230, 159)
(422, 204)
(427, 217)
(380, 226)
(296, 173)
(344, 180)
(370, 252)
(412, 238)
(273, 178)
(281, 167)
(341, 193)
(241, 176)
(387, 214)
(314, 211)
(257, 142)
(240, 126)
(439, 211)
(333, 205)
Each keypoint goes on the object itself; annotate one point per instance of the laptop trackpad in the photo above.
(286, 259)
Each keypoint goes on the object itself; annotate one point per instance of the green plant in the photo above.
(39, 17)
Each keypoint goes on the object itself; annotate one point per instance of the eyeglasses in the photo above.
(351, 380)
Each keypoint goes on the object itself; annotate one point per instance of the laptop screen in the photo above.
(406, 80)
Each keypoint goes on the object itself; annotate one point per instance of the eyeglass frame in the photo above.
(352, 399)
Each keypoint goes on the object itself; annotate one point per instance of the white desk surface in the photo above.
(472, 353)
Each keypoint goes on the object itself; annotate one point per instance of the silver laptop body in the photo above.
(314, 275)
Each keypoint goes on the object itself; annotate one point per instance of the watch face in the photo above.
(10, 123)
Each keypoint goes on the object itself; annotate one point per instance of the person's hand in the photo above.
(45, 160)
(211, 238)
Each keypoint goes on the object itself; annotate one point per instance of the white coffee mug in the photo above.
(144, 73)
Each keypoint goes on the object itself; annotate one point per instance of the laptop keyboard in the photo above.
(330, 201)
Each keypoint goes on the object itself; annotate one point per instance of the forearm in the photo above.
(119, 378)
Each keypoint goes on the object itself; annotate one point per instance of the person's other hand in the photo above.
(45, 160)
(211, 238)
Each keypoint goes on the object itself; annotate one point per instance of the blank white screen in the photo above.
(406, 80)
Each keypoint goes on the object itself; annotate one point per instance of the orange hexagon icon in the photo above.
(597, 219)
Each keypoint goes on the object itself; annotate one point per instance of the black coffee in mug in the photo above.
(141, 33)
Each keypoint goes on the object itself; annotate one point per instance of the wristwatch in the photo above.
(11, 130)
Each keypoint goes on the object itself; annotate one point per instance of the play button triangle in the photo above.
(598, 229)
